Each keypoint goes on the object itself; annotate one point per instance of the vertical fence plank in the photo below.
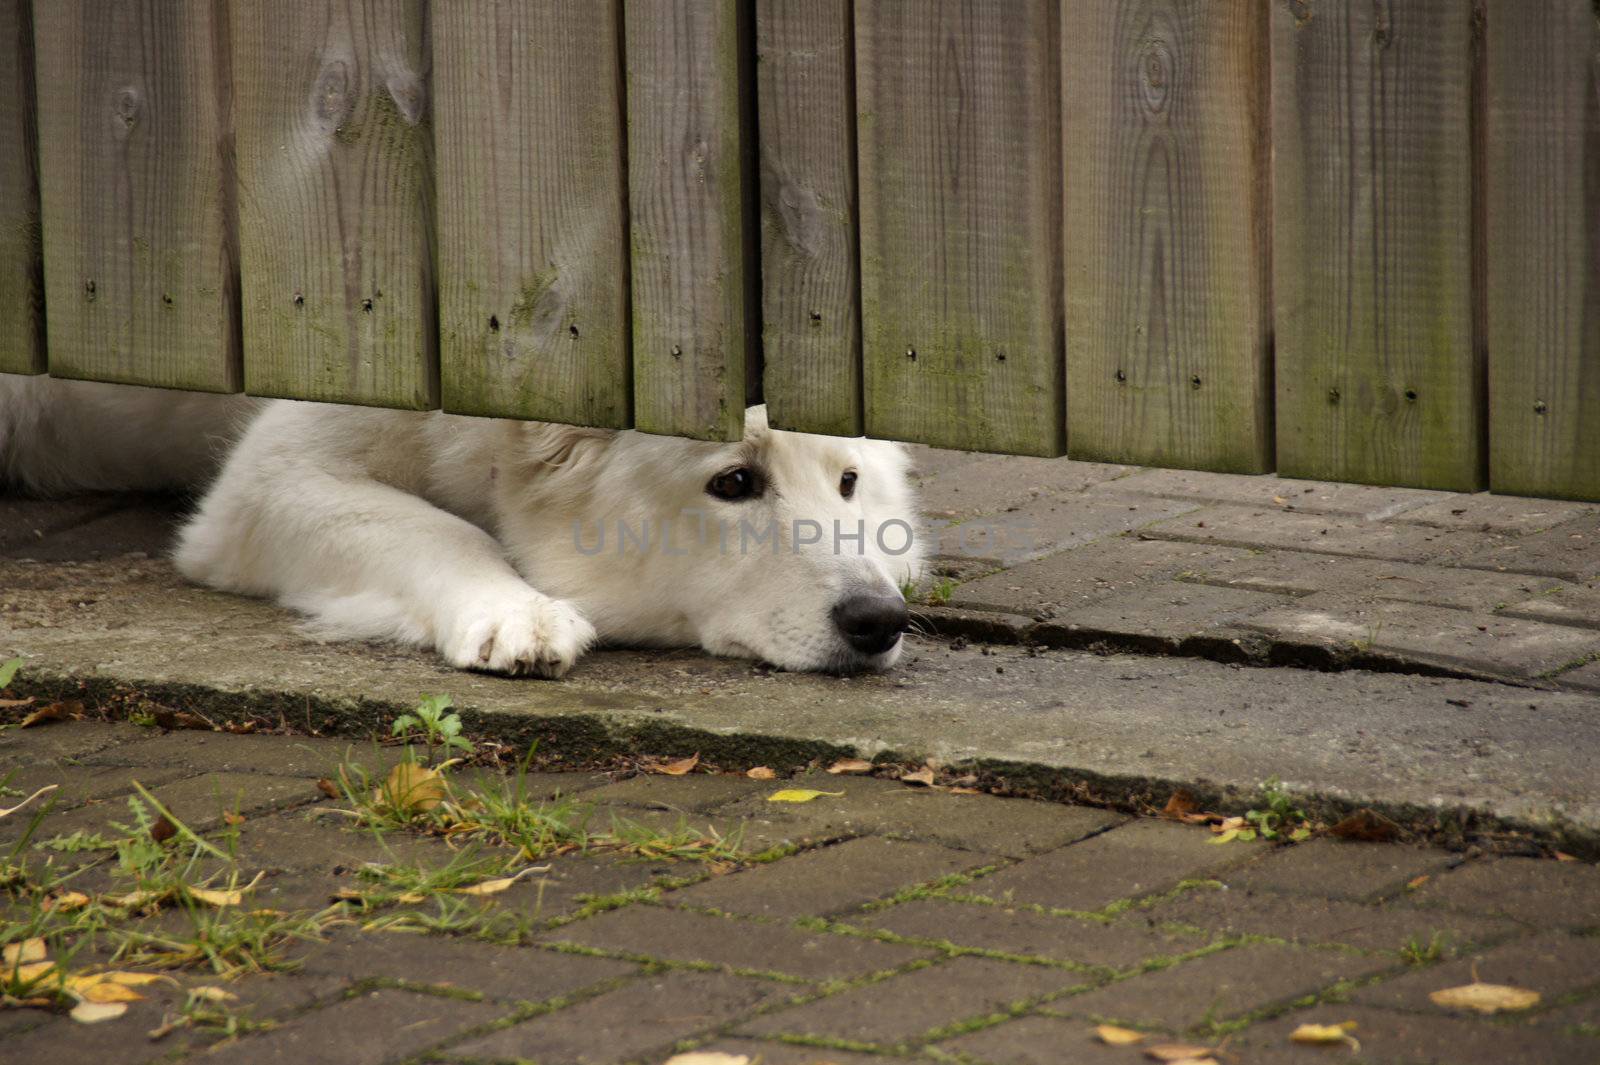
(136, 189)
(690, 192)
(1543, 215)
(1168, 276)
(335, 178)
(811, 321)
(1379, 368)
(533, 269)
(959, 128)
(21, 271)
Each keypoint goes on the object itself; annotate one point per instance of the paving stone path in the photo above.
(889, 922)
(1076, 554)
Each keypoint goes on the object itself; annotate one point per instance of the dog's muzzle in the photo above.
(871, 624)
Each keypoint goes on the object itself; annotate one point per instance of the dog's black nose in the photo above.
(871, 623)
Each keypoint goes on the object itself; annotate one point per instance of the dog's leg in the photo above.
(369, 561)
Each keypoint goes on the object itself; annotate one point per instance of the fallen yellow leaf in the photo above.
(411, 788)
(66, 902)
(1485, 998)
(28, 950)
(212, 897)
(850, 766)
(109, 991)
(1226, 836)
(488, 887)
(1326, 1035)
(95, 1012)
(53, 712)
(116, 976)
(29, 972)
(1175, 1052)
(1118, 1037)
(212, 994)
(799, 795)
(761, 772)
(708, 1057)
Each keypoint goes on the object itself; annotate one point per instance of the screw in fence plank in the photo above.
(1379, 362)
(1168, 269)
(811, 317)
(533, 269)
(21, 267)
(959, 128)
(1543, 244)
(335, 177)
(691, 202)
(137, 192)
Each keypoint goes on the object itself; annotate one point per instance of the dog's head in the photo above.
(785, 547)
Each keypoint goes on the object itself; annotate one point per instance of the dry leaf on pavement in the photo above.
(213, 897)
(1368, 826)
(108, 991)
(28, 950)
(65, 902)
(410, 788)
(1118, 1037)
(53, 712)
(800, 795)
(708, 1057)
(1175, 1052)
(850, 766)
(28, 972)
(923, 776)
(1326, 1035)
(209, 993)
(328, 788)
(95, 1012)
(1485, 998)
(674, 769)
(761, 772)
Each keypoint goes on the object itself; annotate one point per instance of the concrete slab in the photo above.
(1287, 494)
(1121, 729)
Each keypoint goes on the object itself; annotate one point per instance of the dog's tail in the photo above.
(58, 437)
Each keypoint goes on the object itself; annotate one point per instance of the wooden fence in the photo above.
(1345, 239)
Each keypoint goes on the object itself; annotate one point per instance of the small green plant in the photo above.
(1278, 817)
(8, 672)
(78, 843)
(941, 592)
(438, 728)
(1416, 952)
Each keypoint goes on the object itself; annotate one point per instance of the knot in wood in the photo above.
(332, 99)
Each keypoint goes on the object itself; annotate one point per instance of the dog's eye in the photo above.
(733, 484)
(847, 483)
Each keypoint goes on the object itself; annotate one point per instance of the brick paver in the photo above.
(831, 880)
(1220, 987)
(1414, 1039)
(1554, 966)
(1537, 893)
(1127, 863)
(1336, 869)
(641, 1019)
(917, 1004)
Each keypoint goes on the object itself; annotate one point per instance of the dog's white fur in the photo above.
(495, 542)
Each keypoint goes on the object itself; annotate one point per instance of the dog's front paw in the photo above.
(516, 633)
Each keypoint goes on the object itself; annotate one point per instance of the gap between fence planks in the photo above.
(1168, 268)
(1543, 218)
(22, 348)
(959, 129)
(532, 214)
(696, 306)
(811, 318)
(136, 187)
(1379, 367)
(335, 177)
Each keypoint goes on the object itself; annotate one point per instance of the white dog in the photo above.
(507, 546)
